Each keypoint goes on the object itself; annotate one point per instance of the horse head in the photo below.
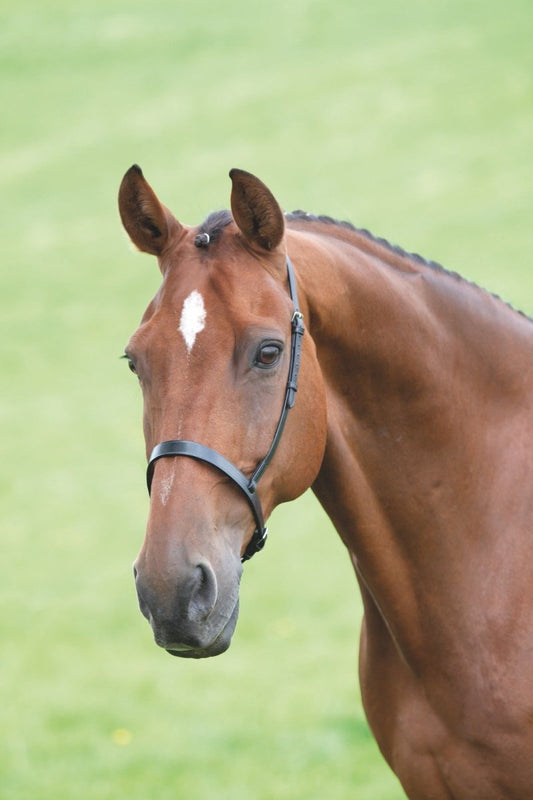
(212, 355)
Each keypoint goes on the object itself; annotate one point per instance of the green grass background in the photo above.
(413, 119)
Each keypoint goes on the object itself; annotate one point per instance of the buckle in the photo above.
(297, 323)
(256, 543)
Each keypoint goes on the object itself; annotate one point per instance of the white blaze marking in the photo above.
(192, 319)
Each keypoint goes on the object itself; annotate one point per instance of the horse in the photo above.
(288, 351)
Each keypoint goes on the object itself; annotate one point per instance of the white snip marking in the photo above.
(166, 487)
(192, 319)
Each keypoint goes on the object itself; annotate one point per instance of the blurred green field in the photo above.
(412, 119)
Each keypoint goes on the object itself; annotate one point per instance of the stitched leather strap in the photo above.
(181, 447)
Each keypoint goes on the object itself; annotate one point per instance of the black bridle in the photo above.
(181, 447)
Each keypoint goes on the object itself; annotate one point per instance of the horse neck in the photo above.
(418, 367)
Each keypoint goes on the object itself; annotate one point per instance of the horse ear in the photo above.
(147, 222)
(256, 210)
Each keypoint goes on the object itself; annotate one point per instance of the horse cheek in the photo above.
(305, 443)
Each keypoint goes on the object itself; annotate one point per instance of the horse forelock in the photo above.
(212, 226)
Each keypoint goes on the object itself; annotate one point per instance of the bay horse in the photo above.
(412, 422)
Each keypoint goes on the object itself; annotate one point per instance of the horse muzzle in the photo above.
(193, 614)
(198, 649)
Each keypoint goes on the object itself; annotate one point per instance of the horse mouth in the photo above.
(216, 647)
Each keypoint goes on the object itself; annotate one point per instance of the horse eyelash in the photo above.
(127, 358)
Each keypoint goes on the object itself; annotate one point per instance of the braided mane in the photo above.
(303, 216)
(215, 223)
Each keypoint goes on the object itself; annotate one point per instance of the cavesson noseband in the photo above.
(182, 447)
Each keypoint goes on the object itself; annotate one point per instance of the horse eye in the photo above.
(268, 355)
(131, 363)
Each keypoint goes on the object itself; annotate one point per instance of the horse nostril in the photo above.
(204, 593)
(143, 605)
(187, 597)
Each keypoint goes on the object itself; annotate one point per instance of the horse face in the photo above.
(212, 356)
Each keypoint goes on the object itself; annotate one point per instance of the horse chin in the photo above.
(218, 646)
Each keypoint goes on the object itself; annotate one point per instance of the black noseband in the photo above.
(181, 447)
